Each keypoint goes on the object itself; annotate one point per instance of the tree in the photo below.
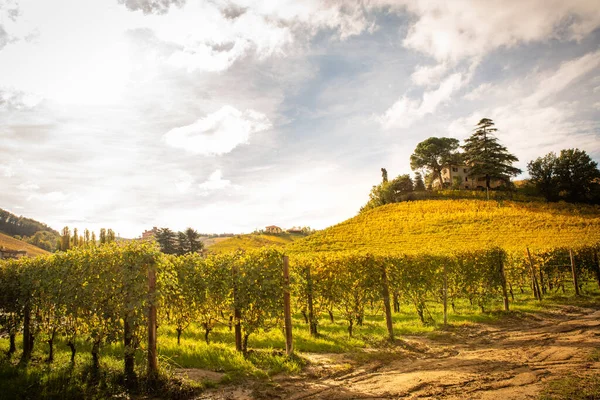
(486, 156)
(572, 176)
(434, 154)
(102, 235)
(182, 245)
(166, 239)
(419, 183)
(384, 175)
(65, 239)
(389, 192)
(75, 238)
(193, 240)
(188, 242)
(543, 176)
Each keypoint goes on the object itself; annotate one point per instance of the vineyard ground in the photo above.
(554, 353)
(480, 355)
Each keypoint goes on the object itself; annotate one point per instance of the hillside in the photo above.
(10, 243)
(443, 226)
(252, 241)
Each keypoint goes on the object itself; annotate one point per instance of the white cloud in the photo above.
(428, 74)
(554, 82)
(451, 31)
(405, 111)
(28, 186)
(7, 171)
(215, 182)
(346, 17)
(533, 123)
(10, 98)
(597, 106)
(479, 91)
(54, 196)
(218, 133)
(184, 182)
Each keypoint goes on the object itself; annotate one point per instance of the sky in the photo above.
(227, 116)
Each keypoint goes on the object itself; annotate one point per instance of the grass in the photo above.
(266, 358)
(253, 241)
(573, 387)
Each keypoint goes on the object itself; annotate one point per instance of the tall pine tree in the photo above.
(486, 157)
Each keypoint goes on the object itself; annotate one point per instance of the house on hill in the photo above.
(295, 230)
(6, 253)
(273, 229)
(151, 234)
(461, 173)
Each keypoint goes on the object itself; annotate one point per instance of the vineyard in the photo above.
(443, 226)
(132, 296)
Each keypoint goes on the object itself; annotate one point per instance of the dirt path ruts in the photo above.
(511, 360)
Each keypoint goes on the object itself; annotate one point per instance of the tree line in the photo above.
(570, 176)
(179, 243)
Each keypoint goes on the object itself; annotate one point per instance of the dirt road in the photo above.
(509, 360)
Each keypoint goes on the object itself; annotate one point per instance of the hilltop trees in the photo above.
(571, 176)
(543, 176)
(486, 157)
(179, 243)
(434, 154)
(166, 240)
(389, 192)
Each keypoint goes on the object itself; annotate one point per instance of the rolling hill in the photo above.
(444, 226)
(10, 243)
(252, 241)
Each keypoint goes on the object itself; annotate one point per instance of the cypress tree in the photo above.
(485, 156)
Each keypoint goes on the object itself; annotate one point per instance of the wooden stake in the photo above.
(237, 315)
(536, 288)
(503, 280)
(445, 294)
(152, 355)
(597, 266)
(312, 323)
(287, 310)
(26, 334)
(574, 272)
(386, 303)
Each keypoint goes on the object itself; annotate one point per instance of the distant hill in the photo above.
(12, 225)
(33, 232)
(251, 241)
(11, 243)
(444, 226)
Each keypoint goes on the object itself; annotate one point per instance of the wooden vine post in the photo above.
(386, 303)
(152, 355)
(597, 263)
(27, 348)
(445, 294)
(312, 322)
(237, 315)
(503, 280)
(574, 272)
(129, 351)
(536, 288)
(287, 310)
